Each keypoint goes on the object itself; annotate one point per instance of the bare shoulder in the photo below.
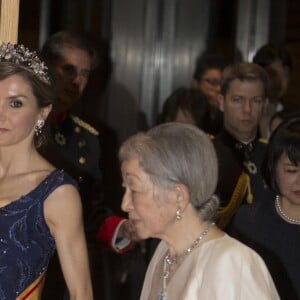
(63, 196)
(62, 205)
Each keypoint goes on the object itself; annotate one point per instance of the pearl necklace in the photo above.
(168, 261)
(283, 214)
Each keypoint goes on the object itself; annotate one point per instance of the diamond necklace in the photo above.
(283, 214)
(168, 261)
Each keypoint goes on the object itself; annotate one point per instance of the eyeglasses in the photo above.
(212, 81)
(70, 72)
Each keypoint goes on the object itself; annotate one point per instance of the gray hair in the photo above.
(177, 153)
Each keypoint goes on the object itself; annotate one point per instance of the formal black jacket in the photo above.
(240, 180)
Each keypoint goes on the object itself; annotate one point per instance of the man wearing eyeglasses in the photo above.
(207, 79)
(75, 147)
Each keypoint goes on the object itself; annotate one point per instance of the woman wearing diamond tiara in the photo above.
(272, 226)
(169, 175)
(39, 205)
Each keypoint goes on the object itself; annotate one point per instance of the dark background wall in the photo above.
(98, 18)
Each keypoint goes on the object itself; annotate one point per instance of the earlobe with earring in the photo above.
(39, 126)
(178, 215)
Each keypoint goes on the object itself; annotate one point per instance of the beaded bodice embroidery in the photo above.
(26, 243)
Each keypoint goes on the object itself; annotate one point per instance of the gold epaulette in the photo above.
(241, 189)
(84, 125)
(210, 136)
(264, 141)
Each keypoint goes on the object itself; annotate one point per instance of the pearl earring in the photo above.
(178, 215)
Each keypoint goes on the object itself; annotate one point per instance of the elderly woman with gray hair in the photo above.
(169, 176)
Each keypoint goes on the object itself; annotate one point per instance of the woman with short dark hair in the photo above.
(271, 226)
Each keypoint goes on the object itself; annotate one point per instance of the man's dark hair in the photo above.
(207, 62)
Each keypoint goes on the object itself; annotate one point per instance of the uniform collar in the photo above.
(243, 150)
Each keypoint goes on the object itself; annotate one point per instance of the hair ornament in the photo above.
(22, 56)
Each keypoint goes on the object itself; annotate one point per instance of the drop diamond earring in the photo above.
(39, 126)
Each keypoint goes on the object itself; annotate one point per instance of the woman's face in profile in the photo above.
(288, 179)
(150, 216)
(274, 124)
(283, 73)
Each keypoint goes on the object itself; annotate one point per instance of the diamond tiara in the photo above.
(21, 55)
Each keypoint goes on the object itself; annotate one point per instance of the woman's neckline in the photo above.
(13, 202)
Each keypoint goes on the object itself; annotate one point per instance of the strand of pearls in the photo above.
(283, 214)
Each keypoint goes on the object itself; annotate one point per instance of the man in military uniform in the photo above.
(75, 147)
(243, 99)
(74, 144)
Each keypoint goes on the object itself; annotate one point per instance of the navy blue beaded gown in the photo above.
(26, 243)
